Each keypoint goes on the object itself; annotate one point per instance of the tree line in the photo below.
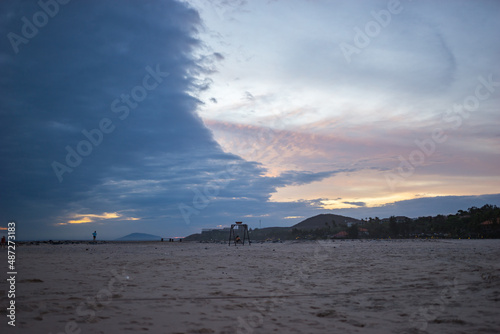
(475, 222)
(483, 222)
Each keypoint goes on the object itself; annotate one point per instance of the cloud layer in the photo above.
(164, 118)
(115, 76)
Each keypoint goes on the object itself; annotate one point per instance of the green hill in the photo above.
(325, 220)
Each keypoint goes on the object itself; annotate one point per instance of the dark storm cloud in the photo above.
(116, 76)
(362, 204)
(218, 56)
(99, 127)
(297, 178)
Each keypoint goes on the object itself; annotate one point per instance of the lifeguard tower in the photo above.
(237, 230)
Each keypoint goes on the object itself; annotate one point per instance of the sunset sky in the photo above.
(167, 117)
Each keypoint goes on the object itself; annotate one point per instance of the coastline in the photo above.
(385, 286)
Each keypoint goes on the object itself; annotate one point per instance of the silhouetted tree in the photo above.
(352, 231)
(393, 226)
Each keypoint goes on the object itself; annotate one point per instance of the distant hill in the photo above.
(476, 222)
(320, 220)
(139, 237)
(283, 233)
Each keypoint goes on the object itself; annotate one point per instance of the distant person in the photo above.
(3, 241)
(94, 235)
(237, 239)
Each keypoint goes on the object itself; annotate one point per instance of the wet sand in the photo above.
(387, 286)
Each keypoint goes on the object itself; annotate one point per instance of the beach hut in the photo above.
(342, 234)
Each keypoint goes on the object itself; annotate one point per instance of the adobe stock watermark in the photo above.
(120, 106)
(203, 197)
(30, 28)
(363, 37)
(452, 119)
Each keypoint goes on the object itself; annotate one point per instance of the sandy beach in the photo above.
(386, 286)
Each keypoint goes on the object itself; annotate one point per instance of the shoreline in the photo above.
(373, 286)
(99, 242)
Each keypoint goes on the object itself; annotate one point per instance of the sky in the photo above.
(166, 117)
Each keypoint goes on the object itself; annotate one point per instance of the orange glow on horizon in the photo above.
(81, 221)
(91, 218)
